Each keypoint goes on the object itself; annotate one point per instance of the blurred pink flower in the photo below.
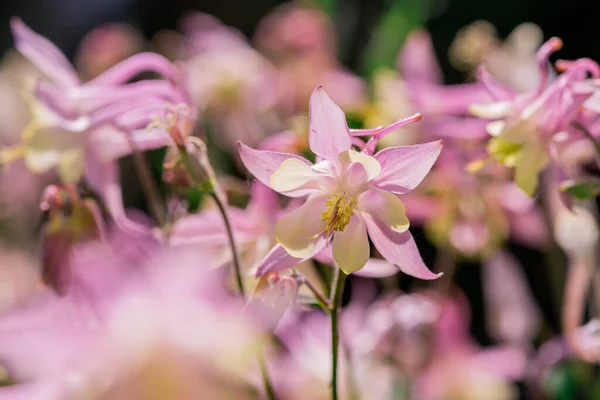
(106, 46)
(233, 86)
(301, 42)
(82, 128)
(418, 65)
(460, 368)
(359, 192)
(529, 129)
(143, 322)
(473, 214)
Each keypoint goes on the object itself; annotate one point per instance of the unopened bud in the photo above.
(70, 220)
(190, 168)
(275, 294)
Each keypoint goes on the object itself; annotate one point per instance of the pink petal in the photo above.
(417, 59)
(376, 268)
(263, 163)
(278, 259)
(43, 54)
(134, 65)
(404, 167)
(329, 134)
(512, 314)
(110, 144)
(399, 249)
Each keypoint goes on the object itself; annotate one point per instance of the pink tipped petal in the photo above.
(299, 231)
(329, 134)
(404, 167)
(263, 163)
(381, 131)
(399, 249)
(351, 246)
(376, 268)
(43, 54)
(386, 207)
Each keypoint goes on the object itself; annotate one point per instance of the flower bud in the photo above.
(274, 294)
(190, 168)
(70, 219)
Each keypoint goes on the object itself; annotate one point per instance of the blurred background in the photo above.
(370, 32)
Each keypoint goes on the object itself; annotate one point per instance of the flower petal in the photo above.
(386, 207)
(496, 110)
(404, 167)
(262, 163)
(399, 249)
(296, 178)
(329, 134)
(43, 54)
(351, 249)
(71, 165)
(377, 268)
(278, 259)
(531, 160)
(299, 231)
(370, 164)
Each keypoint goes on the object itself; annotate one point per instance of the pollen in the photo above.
(338, 213)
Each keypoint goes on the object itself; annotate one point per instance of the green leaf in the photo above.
(194, 197)
(388, 37)
(581, 190)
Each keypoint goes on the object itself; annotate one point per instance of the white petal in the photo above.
(298, 231)
(386, 207)
(351, 246)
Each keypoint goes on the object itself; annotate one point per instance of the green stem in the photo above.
(323, 302)
(337, 288)
(144, 173)
(265, 376)
(234, 253)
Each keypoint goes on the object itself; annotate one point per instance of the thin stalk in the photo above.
(231, 239)
(587, 133)
(265, 376)
(337, 288)
(323, 302)
(142, 168)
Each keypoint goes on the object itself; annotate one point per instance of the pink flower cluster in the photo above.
(276, 226)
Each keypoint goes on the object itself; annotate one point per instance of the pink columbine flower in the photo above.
(528, 129)
(351, 195)
(82, 128)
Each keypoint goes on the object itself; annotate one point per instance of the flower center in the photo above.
(338, 213)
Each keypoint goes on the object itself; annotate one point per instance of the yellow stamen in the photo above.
(340, 209)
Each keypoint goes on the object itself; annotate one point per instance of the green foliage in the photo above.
(401, 18)
(582, 190)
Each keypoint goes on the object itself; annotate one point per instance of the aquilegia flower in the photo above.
(351, 195)
(529, 128)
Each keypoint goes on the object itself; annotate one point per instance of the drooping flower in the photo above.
(528, 129)
(351, 195)
(82, 128)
